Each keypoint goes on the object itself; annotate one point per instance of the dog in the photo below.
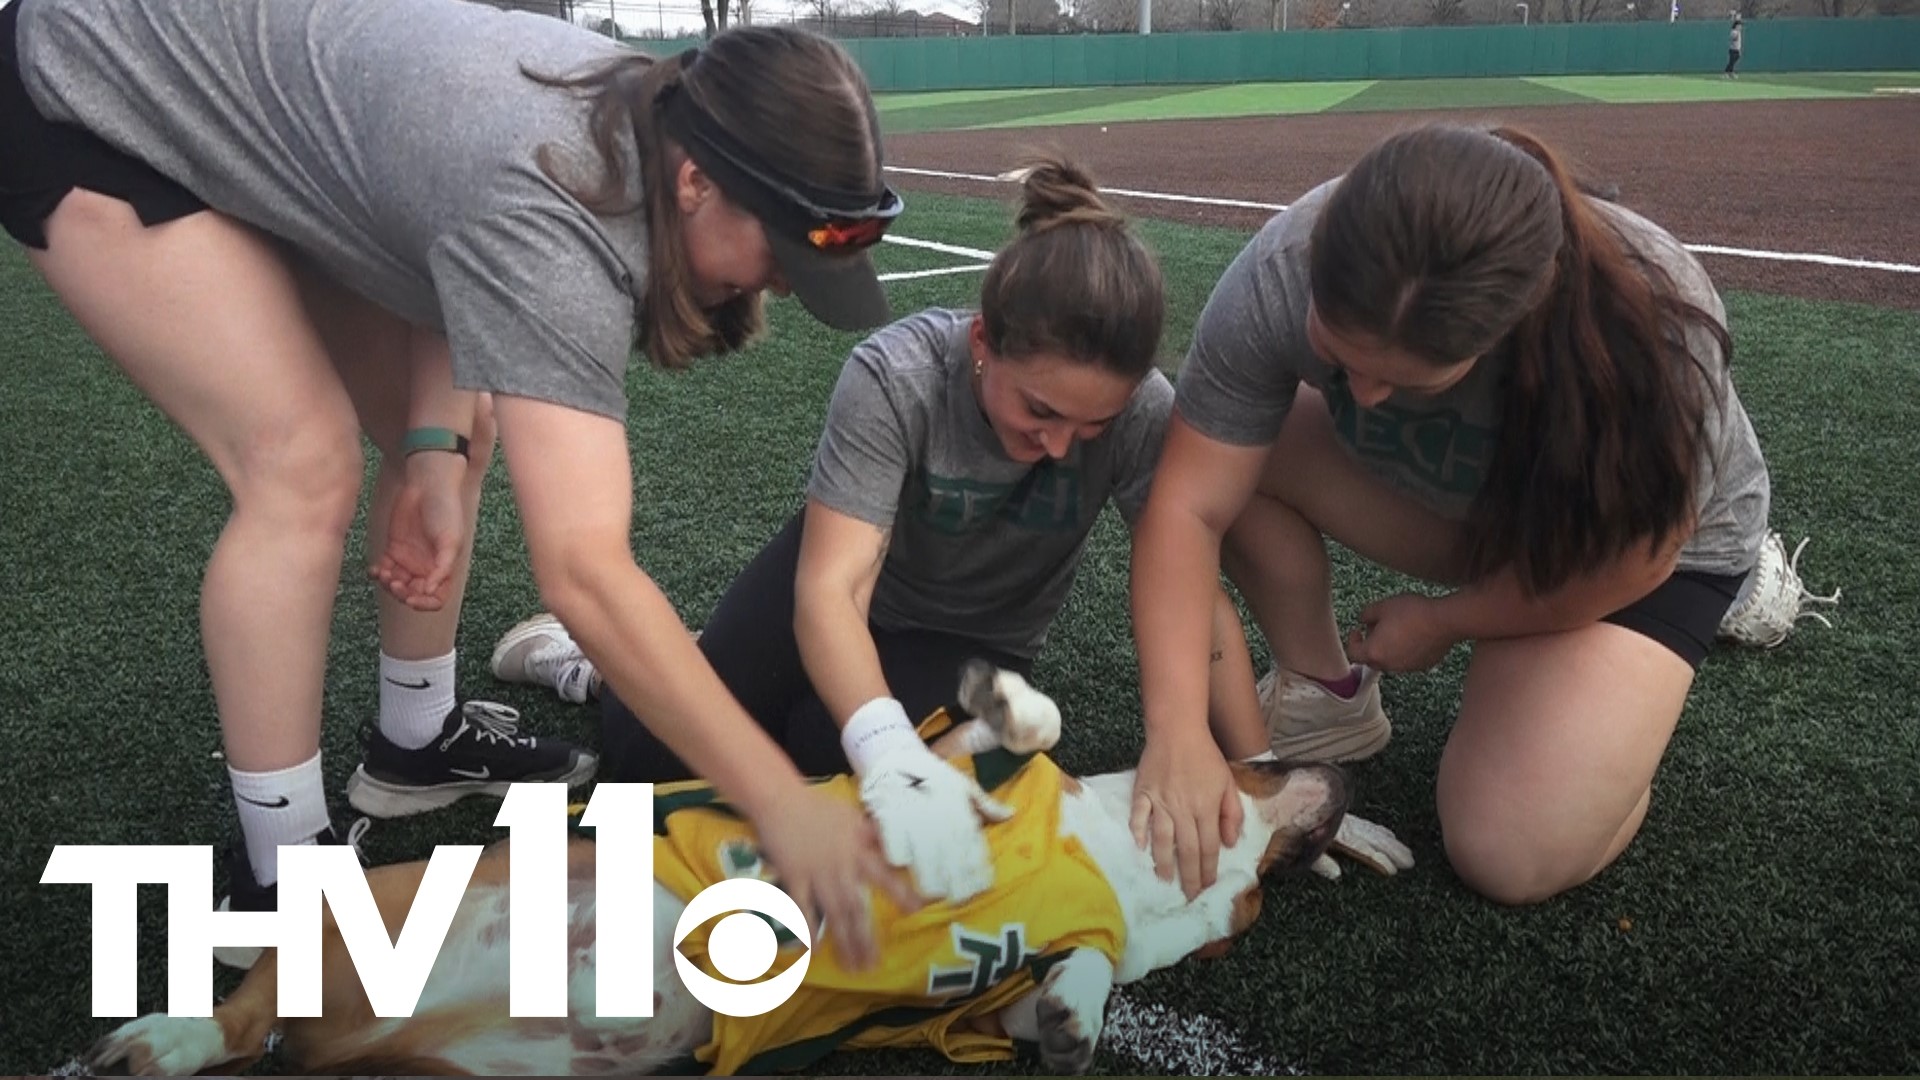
(1294, 815)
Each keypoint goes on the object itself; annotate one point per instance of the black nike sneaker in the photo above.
(480, 751)
(245, 893)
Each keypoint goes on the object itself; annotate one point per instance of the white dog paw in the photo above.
(1033, 720)
(1069, 1014)
(161, 1045)
(1025, 720)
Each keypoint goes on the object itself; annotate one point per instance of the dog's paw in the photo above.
(159, 1045)
(1033, 720)
(1024, 720)
(1068, 1027)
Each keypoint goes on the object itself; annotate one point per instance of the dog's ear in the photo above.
(1246, 909)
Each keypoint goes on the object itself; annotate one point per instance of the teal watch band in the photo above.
(436, 438)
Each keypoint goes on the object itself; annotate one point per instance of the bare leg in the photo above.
(1276, 552)
(372, 350)
(203, 315)
(1547, 775)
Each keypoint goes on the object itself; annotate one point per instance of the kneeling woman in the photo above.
(1462, 368)
(965, 460)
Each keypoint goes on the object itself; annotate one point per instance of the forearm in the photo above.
(1498, 607)
(434, 402)
(1175, 583)
(837, 649)
(627, 626)
(1233, 706)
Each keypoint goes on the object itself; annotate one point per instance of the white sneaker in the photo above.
(539, 651)
(1306, 722)
(1773, 598)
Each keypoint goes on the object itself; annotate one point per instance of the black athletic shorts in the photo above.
(1684, 613)
(40, 161)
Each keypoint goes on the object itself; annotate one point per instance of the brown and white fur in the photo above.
(462, 1023)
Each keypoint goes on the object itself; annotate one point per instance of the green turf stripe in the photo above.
(897, 103)
(1251, 99)
(997, 111)
(1642, 89)
(1842, 82)
(949, 110)
(1397, 94)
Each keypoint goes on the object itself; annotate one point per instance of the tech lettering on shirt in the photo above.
(1047, 497)
(1441, 448)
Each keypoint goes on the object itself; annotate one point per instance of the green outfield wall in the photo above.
(903, 64)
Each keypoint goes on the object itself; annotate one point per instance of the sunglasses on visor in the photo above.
(829, 222)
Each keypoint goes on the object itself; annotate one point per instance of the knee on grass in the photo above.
(1512, 868)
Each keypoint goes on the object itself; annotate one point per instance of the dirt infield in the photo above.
(1827, 177)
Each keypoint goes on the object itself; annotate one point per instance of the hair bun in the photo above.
(1055, 191)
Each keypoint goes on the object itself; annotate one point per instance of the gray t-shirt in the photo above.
(1250, 352)
(394, 142)
(982, 546)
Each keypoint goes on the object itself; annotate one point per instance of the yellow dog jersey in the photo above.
(939, 967)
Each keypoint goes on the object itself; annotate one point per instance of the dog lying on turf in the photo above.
(1076, 909)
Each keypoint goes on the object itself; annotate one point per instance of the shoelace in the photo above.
(357, 832)
(548, 659)
(496, 723)
(1797, 588)
(1780, 598)
(561, 665)
(1801, 596)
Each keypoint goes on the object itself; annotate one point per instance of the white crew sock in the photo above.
(415, 698)
(286, 806)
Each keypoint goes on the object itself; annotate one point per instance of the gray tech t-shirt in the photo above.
(1250, 353)
(982, 546)
(392, 140)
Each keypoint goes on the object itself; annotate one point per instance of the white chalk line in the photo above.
(934, 245)
(1164, 1042)
(1705, 249)
(938, 271)
(944, 249)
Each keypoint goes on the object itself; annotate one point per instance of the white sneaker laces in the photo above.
(562, 665)
(357, 832)
(1777, 600)
(496, 723)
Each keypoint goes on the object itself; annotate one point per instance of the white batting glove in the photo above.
(928, 812)
(1374, 846)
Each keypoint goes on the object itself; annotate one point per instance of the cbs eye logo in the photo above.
(742, 946)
